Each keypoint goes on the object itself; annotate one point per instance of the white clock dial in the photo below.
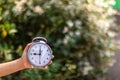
(39, 54)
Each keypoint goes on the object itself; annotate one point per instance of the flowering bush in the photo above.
(77, 31)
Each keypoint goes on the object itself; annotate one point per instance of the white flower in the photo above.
(71, 33)
(78, 23)
(108, 54)
(65, 29)
(87, 69)
(19, 6)
(112, 33)
(77, 32)
(21, 2)
(69, 23)
(38, 10)
(12, 31)
(100, 3)
(66, 39)
(18, 9)
(111, 2)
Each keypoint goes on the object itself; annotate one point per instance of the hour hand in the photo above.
(36, 54)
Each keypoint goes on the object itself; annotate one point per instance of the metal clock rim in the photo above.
(37, 39)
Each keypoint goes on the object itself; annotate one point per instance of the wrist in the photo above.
(21, 62)
(25, 63)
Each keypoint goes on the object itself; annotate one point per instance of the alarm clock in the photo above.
(39, 53)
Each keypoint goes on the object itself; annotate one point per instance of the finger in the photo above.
(27, 46)
(53, 56)
(44, 67)
(50, 62)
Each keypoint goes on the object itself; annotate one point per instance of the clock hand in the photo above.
(35, 54)
(39, 54)
(43, 54)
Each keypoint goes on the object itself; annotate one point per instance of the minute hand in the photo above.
(39, 54)
(43, 54)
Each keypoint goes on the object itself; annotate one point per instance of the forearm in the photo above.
(11, 67)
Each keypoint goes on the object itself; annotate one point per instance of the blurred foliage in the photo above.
(77, 31)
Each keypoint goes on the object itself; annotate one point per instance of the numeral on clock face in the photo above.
(35, 46)
(48, 54)
(33, 50)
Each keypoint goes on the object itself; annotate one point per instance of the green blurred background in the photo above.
(117, 5)
(77, 31)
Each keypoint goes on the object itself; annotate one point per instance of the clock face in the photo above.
(39, 54)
